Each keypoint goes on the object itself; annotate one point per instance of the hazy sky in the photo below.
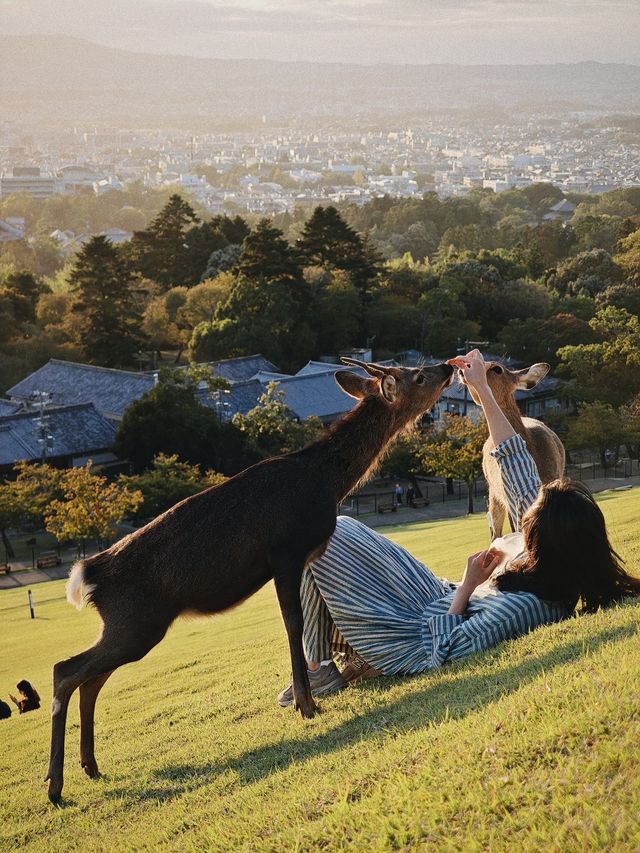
(368, 31)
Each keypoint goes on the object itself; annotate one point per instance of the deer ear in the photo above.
(388, 388)
(354, 385)
(530, 376)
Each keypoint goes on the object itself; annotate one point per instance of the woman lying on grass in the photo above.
(401, 619)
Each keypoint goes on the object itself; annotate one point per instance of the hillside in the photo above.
(58, 77)
(532, 745)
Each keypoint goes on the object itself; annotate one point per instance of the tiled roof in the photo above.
(240, 369)
(242, 397)
(8, 407)
(76, 430)
(317, 367)
(265, 376)
(111, 391)
(316, 394)
(312, 367)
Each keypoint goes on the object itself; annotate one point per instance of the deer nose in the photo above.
(447, 369)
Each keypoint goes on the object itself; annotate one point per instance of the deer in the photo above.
(542, 442)
(214, 549)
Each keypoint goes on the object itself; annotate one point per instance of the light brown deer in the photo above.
(542, 442)
(213, 550)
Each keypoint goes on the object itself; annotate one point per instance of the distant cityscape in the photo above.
(268, 172)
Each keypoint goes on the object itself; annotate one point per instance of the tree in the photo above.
(203, 300)
(625, 295)
(455, 450)
(170, 420)
(609, 370)
(329, 242)
(339, 314)
(92, 508)
(404, 460)
(37, 485)
(266, 256)
(600, 232)
(161, 252)
(628, 258)
(273, 429)
(630, 415)
(535, 340)
(597, 426)
(273, 317)
(222, 260)
(11, 514)
(23, 289)
(102, 281)
(167, 481)
(444, 320)
(586, 274)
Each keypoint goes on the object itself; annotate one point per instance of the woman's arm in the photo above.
(503, 617)
(473, 369)
(520, 477)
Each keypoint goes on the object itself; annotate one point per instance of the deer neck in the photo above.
(353, 448)
(514, 416)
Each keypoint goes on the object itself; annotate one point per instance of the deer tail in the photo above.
(78, 591)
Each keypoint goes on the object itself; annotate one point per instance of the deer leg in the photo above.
(288, 590)
(497, 513)
(119, 645)
(88, 695)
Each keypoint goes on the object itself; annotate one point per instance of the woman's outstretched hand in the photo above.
(473, 368)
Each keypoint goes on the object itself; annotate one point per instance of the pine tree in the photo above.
(161, 251)
(329, 242)
(110, 332)
(266, 255)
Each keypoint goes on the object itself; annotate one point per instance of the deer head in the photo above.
(407, 391)
(504, 382)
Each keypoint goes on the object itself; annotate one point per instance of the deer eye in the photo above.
(420, 379)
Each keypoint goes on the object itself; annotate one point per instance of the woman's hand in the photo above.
(480, 567)
(473, 368)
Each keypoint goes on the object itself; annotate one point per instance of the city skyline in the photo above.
(356, 31)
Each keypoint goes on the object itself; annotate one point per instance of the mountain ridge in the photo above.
(63, 78)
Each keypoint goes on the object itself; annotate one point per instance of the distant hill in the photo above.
(58, 78)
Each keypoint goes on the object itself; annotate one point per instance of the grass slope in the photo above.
(532, 745)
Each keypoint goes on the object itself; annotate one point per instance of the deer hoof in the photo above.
(308, 708)
(54, 791)
(91, 768)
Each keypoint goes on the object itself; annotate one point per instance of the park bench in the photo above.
(419, 502)
(387, 508)
(46, 561)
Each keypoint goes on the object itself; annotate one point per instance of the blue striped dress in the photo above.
(393, 610)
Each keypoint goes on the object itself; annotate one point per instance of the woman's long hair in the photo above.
(29, 690)
(569, 557)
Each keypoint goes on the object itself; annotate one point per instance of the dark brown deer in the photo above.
(213, 550)
(542, 442)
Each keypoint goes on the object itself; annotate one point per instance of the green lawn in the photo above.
(532, 745)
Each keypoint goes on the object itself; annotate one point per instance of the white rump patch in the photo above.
(77, 590)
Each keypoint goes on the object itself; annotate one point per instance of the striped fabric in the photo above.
(392, 609)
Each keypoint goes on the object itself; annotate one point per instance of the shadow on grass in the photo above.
(426, 705)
